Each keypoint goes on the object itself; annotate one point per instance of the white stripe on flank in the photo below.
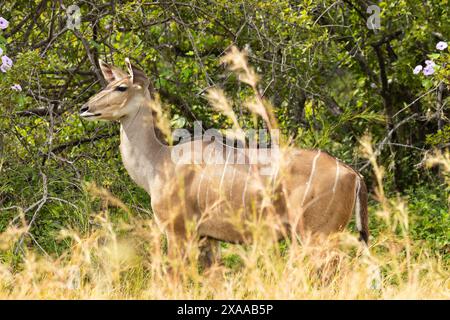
(206, 195)
(308, 184)
(198, 190)
(223, 173)
(232, 182)
(358, 206)
(336, 179)
(200, 183)
(274, 177)
(245, 187)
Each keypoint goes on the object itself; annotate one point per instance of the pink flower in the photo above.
(4, 68)
(16, 87)
(428, 70)
(417, 69)
(3, 23)
(7, 61)
(441, 45)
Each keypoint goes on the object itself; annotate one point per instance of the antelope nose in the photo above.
(84, 109)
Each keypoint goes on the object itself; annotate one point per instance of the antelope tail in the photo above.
(361, 212)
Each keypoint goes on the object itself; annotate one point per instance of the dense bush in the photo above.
(331, 79)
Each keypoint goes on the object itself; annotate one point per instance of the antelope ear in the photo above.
(111, 73)
(137, 75)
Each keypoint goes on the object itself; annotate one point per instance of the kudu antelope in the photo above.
(314, 193)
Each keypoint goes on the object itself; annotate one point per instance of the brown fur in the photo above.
(312, 194)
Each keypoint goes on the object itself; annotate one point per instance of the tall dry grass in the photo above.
(126, 260)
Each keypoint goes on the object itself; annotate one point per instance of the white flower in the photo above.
(441, 45)
(417, 69)
(4, 67)
(7, 61)
(428, 70)
(16, 87)
(3, 23)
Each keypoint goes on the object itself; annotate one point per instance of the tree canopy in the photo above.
(330, 77)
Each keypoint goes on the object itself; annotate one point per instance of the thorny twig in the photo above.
(39, 204)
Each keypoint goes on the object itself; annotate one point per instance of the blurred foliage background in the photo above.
(331, 80)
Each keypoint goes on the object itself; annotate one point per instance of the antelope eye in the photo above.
(121, 88)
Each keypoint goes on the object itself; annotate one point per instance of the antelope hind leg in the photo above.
(209, 252)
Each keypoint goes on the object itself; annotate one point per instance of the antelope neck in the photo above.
(142, 152)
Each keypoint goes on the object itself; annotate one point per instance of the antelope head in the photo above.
(125, 92)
